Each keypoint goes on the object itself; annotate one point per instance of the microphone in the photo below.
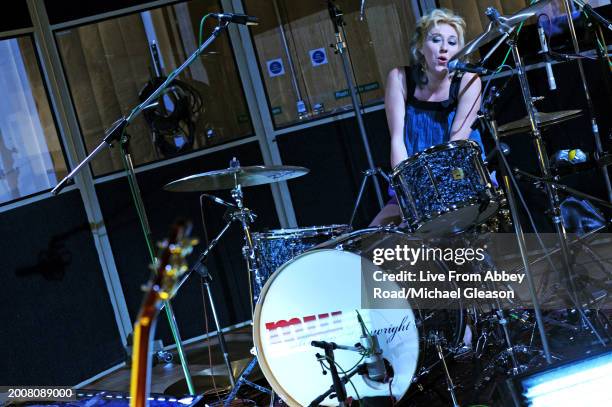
(456, 65)
(375, 365)
(237, 18)
(324, 345)
(220, 201)
(552, 85)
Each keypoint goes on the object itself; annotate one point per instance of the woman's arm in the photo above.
(395, 108)
(467, 108)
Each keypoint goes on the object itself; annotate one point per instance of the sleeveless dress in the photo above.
(427, 124)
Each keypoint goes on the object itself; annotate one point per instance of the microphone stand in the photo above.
(587, 94)
(361, 369)
(338, 383)
(117, 133)
(367, 174)
(338, 20)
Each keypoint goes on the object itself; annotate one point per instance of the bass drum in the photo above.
(315, 296)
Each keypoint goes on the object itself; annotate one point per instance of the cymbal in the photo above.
(231, 177)
(542, 119)
(495, 30)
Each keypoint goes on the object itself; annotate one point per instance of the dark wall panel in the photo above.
(58, 326)
(336, 157)
(15, 17)
(63, 11)
(230, 284)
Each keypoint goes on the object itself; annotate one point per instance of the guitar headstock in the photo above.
(171, 261)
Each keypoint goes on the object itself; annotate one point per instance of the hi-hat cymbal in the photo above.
(543, 119)
(231, 177)
(495, 29)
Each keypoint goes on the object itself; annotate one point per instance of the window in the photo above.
(303, 77)
(110, 63)
(31, 157)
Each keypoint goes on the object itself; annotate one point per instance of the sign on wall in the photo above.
(275, 67)
(318, 56)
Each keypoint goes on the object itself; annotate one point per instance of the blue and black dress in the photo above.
(427, 124)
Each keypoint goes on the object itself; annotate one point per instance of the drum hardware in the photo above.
(561, 187)
(341, 48)
(543, 162)
(543, 119)
(445, 189)
(232, 177)
(590, 108)
(449, 380)
(202, 270)
(293, 297)
(235, 177)
(367, 174)
(500, 26)
(276, 247)
(490, 122)
(338, 386)
(592, 162)
(374, 366)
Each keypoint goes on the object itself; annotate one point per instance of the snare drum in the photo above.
(445, 189)
(276, 247)
(314, 298)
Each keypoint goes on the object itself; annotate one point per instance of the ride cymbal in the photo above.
(231, 177)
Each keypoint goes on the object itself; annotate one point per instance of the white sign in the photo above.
(275, 67)
(318, 56)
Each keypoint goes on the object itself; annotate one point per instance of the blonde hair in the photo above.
(427, 22)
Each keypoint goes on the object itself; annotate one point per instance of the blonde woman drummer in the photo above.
(424, 103)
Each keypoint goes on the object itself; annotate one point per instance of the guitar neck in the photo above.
(140, 380)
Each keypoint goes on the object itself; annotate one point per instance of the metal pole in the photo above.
(144, 223)
(336, 16)
(520, 238)
(551, 192)
(587, 95)
(220, 335)
(301, 108)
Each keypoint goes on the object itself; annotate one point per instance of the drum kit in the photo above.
(306, 283)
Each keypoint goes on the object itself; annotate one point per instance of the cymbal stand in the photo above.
(367, 174)
(562, 187)
(551, 191)
(491, 123)
(246, 217)
(450, 386)
(587, 94)
(202, 270)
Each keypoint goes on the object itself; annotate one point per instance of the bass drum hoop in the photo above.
(263, 363)
(305, 232)
(336, 244)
